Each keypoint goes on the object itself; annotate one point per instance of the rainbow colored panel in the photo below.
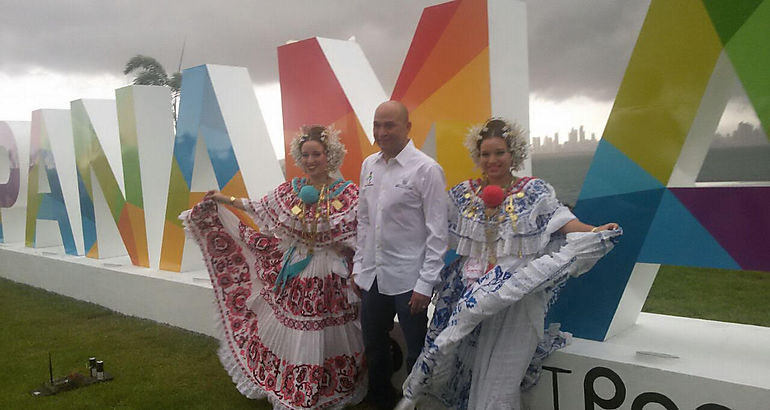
(661, 93)
(200, 119)
(50, 205)
(447, 63)
(9, 191)
(91, 159)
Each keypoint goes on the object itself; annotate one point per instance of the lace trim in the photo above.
(534, 206)
(273, 213)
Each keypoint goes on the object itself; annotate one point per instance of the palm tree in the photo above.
(151, 72)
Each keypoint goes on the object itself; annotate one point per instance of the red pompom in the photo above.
(492, 195)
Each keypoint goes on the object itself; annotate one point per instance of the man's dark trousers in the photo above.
(377, 313)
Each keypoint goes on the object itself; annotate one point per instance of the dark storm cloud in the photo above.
(97, 36)
(581, 47)
(576, 47)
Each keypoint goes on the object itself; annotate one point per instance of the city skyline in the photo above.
(744, 134)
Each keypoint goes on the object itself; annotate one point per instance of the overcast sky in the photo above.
(54, 51)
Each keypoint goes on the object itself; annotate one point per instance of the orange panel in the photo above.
(465, 36)
(173, 245)
(94, 251)
(138, 236)
(470, 85)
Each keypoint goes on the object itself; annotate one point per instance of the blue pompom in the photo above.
(309, 194)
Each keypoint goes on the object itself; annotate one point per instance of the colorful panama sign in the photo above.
(109, 177)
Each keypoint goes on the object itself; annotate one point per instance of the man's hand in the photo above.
(418, 302)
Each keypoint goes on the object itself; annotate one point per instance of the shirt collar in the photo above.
(403, 155)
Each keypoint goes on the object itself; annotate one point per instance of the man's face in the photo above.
(391, 129)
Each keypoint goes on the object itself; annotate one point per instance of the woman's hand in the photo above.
(212, 195)
(344, 251)
(218, 197)
(576, 226)
(606, 227)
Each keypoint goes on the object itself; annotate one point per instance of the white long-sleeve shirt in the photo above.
(402, 223)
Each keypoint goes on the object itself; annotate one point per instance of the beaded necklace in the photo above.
(314, 205)
(493, 216)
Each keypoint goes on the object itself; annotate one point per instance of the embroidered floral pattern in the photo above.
(311, 303)
(443, 372)
(534, 204)
(275, 212)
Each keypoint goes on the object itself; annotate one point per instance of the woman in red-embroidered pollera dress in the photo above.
(287, 315)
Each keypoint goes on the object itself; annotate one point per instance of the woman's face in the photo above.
(494, 158)
(314, 159)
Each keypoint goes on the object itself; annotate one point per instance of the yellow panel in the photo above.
(451, 154)
(662, 89)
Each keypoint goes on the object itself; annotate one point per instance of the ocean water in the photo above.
(566, 172)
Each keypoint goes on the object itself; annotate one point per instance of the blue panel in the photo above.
(613, 173)
(194, 81)
(2, 238)
(214, 131)
(677, 238)
(199, 114)
(88, 220)
(587, 304)
(52, 206)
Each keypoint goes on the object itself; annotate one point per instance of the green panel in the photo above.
(178, 195)
(729, 16)
(109, 185)
(81, 135)
(748, 51)
(90, 155)
(33, 204)
(129, 145)
(663, 86)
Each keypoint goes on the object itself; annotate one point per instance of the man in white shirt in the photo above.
(402, 237)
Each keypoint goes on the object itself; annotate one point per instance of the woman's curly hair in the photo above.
(328, 137)
(513, 134)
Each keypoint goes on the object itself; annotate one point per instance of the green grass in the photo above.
(155, 366)
(162, 367)
(715, 294)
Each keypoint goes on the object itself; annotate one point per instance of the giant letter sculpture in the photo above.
(643, 173)
(221, 143)
(14, 167)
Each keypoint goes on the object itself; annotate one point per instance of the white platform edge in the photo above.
(718, 351)
(728, 352)
(183, 299)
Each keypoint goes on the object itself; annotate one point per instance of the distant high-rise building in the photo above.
(573, 137)
(535, 143)
(548, 145)
(582, 134)
(593, 136)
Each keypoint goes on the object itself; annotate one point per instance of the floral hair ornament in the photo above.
(329, 138)
(513, 134)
